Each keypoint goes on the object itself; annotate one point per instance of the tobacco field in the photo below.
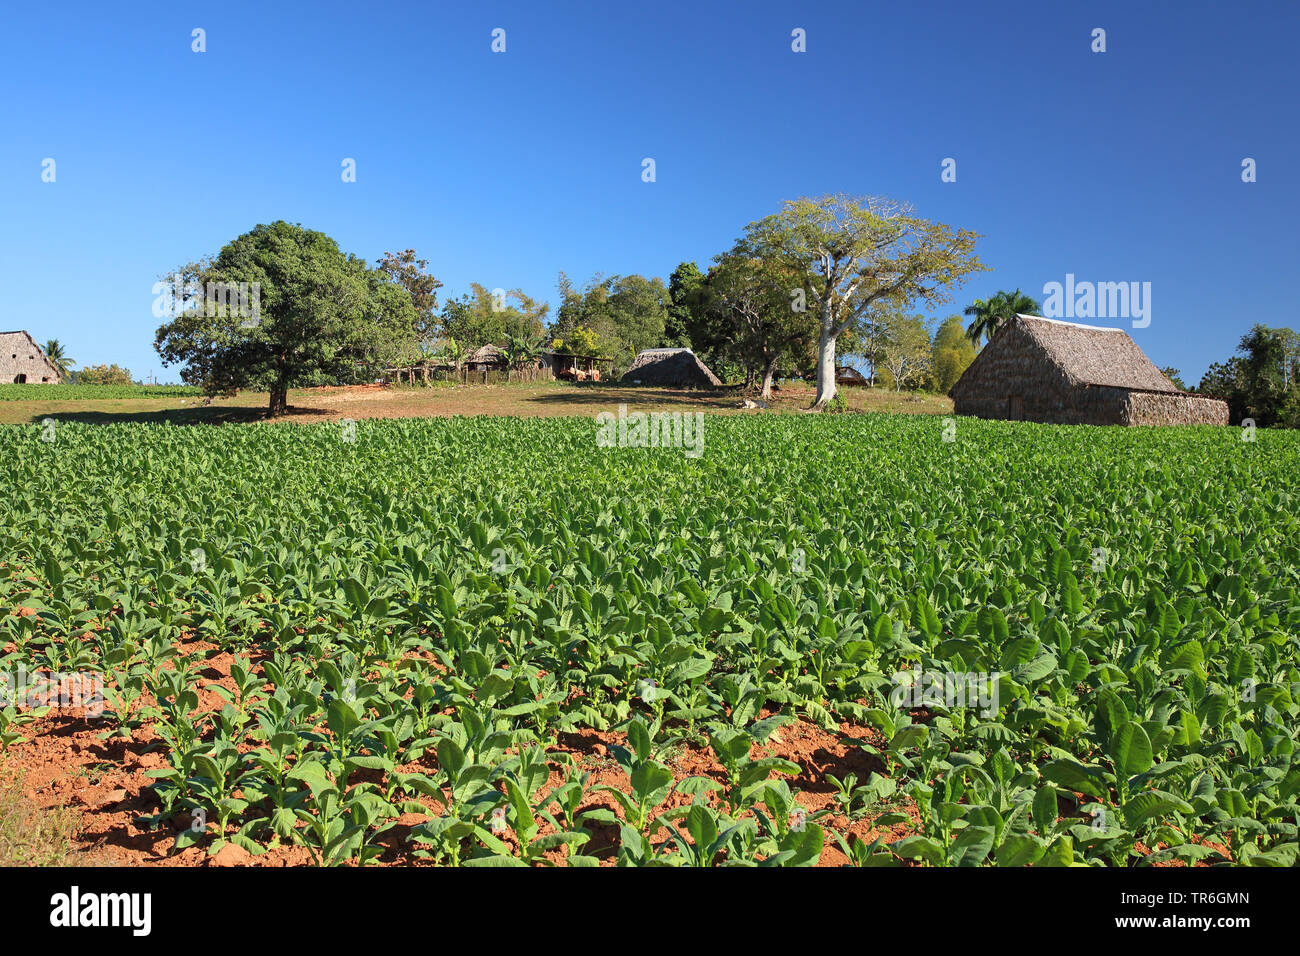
(479, 641)
(66, 392)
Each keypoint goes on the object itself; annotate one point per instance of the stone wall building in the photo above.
(1045, 370)
(22, 360)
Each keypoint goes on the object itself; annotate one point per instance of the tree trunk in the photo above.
(768, 375)
(279, 399)
(825, 368)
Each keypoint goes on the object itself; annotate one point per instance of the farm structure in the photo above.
(22, 360)
(1046, 370)
(489, 365)
(670, 368)
(576, 368)
(487, 358)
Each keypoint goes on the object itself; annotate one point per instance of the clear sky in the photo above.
(504, 168)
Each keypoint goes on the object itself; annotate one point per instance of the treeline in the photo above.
(102, 375)
(1262, 381)
(98, 375)
(612, 317)
(754, 343)
(742, 340)
(820, 277)
(823, 277)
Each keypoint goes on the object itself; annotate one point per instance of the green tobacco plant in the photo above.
(746, 773)
(445, 605)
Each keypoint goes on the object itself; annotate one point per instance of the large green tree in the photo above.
(706, 326)
(628, 313)
(684, 295)
(751, 294)
(953, 353)
(412, 273)
(858, 257)
(322, 316)
(491, 317)
(1262, 381)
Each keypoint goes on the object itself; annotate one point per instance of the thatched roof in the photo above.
(486, 355)
(670, 368)
(1084, 354)
(1044, 370)
(1092, 355)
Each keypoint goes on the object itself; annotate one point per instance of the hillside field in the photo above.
(829, 639)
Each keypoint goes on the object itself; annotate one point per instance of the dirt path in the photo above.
(527, 401)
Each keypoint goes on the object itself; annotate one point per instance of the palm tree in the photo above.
(58, 358)
(996, 311)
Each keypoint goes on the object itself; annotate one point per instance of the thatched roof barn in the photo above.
(670, 368)
(22, 360)
(486, 358)
(1045, 370)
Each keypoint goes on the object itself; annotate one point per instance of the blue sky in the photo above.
(506, 168)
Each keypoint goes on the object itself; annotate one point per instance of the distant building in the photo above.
(22, 360)
(848, 375)
(573, 367)
(1045, 370)
(486, 358)
(669, 368)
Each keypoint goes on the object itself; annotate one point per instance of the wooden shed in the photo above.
(577, 368)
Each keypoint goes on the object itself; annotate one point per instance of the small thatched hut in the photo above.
(848, 375)
(22, 360)
(670, 368)
(486, 358)
(1045, 370)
